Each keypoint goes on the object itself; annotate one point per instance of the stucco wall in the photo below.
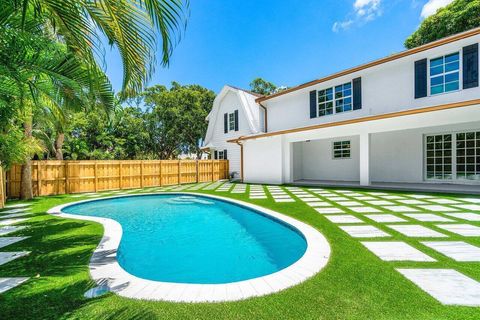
(263, 161)
(317, 163)
(386, 88)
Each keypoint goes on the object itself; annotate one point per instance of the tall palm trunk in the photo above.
(26, 190)
(59, 145)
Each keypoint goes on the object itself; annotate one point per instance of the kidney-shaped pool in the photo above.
(197, 248)
(192, 239)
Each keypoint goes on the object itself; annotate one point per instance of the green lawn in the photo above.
(354, 285)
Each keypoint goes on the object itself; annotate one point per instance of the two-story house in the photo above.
(412, 117)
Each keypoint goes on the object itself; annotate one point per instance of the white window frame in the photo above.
(220, 155)
(460, 74)
(342, 149)
(231, 121)
(334, 100)
(454, 158)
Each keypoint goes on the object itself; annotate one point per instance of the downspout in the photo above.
(241, 157)
(266, 116)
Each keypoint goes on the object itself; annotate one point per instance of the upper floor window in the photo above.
(340, 96)
(343, 97)
(231, 121)
(445, 74)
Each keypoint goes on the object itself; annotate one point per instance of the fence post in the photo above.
(141, 174)
(67, 182)
(196, 170)
(39, 179)
(213, 170)
(179, 172)
(95, 175)
(161, 180)
(120, 184)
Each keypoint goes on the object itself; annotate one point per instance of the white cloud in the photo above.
(363, 11)
(432, 6)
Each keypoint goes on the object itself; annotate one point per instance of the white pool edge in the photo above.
(105, 269)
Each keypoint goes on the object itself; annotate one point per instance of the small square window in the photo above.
(341, 149)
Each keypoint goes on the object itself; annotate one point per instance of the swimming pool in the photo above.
(193, 239)
(191, 248)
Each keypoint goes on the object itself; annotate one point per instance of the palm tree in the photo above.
(38, 72)
(130, 25)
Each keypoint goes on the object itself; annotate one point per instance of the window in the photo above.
(343, 98)
(468, 155)
(325, 102)
(453, 156)
(341, 149)
(445, 74)
(231, 121)
(439, 157)
(221, 155)
(340, 96)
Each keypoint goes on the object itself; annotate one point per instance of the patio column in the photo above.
(364, 159)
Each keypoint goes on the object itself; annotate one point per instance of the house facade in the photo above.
(234, 114)
(412, 117)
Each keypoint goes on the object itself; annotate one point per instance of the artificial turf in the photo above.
(354, 285)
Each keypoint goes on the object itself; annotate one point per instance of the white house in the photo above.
(234, 114)
(412, 117)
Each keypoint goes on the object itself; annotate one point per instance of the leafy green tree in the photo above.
(262, 87)
(458, 16)
(176, 120)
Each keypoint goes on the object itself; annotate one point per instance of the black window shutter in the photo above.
(420, 78)
(215, 155)
(470, 66)
(225, 123)
(357, 93)
(313, 104)
(225, 154)
(236, 120)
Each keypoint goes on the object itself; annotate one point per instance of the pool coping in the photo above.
(106, 271)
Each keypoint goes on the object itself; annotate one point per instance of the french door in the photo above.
(453, 156)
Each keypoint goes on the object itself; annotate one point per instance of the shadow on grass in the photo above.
(58, 267)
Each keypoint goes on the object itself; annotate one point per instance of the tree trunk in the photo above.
(26, 190)
(59, 146)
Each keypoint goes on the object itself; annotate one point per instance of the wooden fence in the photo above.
(53, 177)
(2, 189)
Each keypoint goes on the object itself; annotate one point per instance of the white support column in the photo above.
(364, 159)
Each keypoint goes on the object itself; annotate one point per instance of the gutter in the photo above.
(241, 157)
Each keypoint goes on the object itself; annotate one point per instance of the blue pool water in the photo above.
(194, 239)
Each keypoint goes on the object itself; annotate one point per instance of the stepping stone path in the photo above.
(225, 187)
(10, 283)
(6, 241)
(457, 250)
(416, 231)
(384, 209)
(239, 188)
(448, 286)
(279, 195)
(396, 251)
(214, 185)
(7, 218)
(364, 231)
(257, 192)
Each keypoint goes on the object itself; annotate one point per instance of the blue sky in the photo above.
(287, 42)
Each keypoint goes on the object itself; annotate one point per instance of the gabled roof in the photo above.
(399, 55)
(247, 103)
